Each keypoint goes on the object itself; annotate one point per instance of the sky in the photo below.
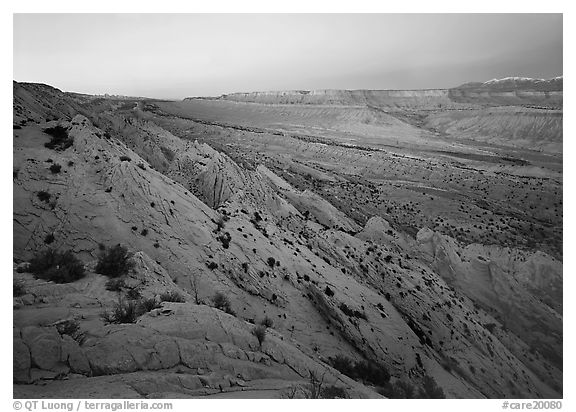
(179, 55)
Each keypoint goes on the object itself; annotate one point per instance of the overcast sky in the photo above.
(174, 56)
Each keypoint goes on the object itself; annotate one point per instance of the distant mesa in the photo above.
(518, 84)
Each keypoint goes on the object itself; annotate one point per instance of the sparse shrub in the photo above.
(115, 285)
(18, 288)
(114, 262)
(267, 322)
(271, 261)
(57, 266)
(55, 168)
(222, 302)
(125, 159)
(60, 140)
(333, 392)
(172, 296)
(245, 267)
(430, 389)
(328, 291)
(144, 232)
(149, 304)
(398, 390)
(220, 223)
(314, 387)
(260, 333)
(49, 238)
(43, 196)
(124, 311)
(134, 294)
(372, 372)
(70, 163)
(70, 327)
(225, 240)
(212, 265)
(366, 371)
(343, 365)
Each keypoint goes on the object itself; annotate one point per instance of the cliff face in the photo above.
(392, 99)
(508, 91)
(512, 91)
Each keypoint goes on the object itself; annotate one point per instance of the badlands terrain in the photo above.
(331, 243)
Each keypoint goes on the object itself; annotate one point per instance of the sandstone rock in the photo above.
(21, 362)
(45, 346)
(74, 356)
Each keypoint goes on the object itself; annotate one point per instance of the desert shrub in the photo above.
(271, 261)
(115, 262)
(372, 372)
(141, 166)
(343, 365)
(398, 390)
(125, 159)
(267, 322)
(245, 267)
(59, 267)
(18, 288)
(43, 196)
(430, 389)
(134, 294)
(149, 304)
(16, 126)
(60, 139)
(314, 388)
(172, 296)
(55, 168)
(70, 327)
(144, 232)
(115, 285)
(328, 291)
(222, 302)
(70, 163)
(333, 392)
(212, 265)
(366, 371)
(124, 311)
(260, 333)
(220, 223)
(225, 240)
(49, 238)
